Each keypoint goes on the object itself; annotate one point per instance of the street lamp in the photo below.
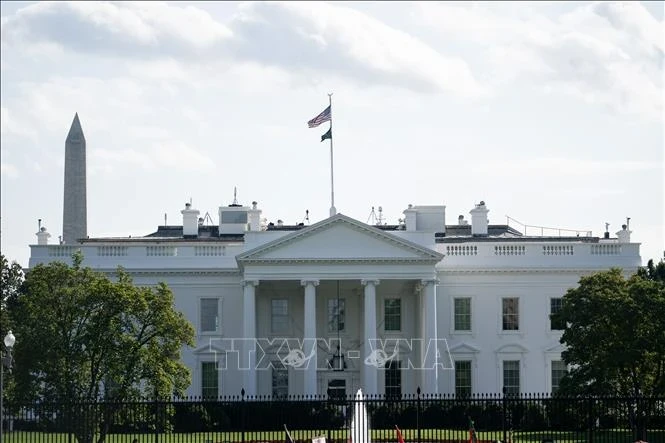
(6, 363)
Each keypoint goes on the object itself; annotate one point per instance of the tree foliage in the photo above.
(615, 335)
(12, 278)
(84, 337)
(653, 272)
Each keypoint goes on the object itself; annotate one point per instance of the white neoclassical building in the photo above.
(341, 304)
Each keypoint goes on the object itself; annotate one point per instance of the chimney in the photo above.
(254, 217)
(190, 221)
(74, 220)
(42, 235)
(410, 218)
(624, 234)
(479, 219)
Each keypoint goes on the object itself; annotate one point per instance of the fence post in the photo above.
(156, 418)
(242, 413)
(418, 412)
(504, 417)
(590, 417)
(70, 415)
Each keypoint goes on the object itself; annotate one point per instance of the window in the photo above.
(559, 369)
(234, 217)
(511, 377)
(393, 379)
(279, 318)
(209, 315)
(511, 314)
(209, 380)
(336, 315)
(462, 311)
(392, 320)
(463, 378)
(280, 379)
(555, 306)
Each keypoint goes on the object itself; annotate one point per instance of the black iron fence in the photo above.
(420, 418)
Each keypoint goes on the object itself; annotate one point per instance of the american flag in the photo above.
(325, 116)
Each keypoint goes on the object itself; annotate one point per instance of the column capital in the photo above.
(307, 281)
(250, 283)
(370, 281)
(429, 281)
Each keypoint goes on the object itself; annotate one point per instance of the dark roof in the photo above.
(504, 233)
(492, 231)
(453, 234)
(390, 227)
(176, 231)
(273, 227)
(173, 233)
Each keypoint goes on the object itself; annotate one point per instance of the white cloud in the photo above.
(139, 29)
(308, 39)
(176, 154)
(173, 155)
(337, 39)
(8, 125)
(559, 167)
(604, 53)
(9, 170)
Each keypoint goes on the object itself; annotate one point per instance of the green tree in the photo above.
(86, 338)
(653, 272)
(12, 278)
(615, 337)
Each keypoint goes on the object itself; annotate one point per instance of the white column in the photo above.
(310, 335)
(248, 361)
(430, 358)
(370, 372)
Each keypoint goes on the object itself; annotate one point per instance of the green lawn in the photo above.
(340, 436)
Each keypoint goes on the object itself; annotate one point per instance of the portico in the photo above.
(336, 282)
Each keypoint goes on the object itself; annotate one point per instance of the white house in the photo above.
(342, 304)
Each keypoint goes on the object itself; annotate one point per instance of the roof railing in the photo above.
(559, 231)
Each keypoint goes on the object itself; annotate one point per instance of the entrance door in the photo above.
(337, 383)
(336, 388)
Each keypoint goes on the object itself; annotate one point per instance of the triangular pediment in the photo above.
(211, 347)
(464, 348)
(556, 348)
(340, 238)
(512, 348)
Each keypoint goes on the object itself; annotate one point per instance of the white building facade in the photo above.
(340, 304)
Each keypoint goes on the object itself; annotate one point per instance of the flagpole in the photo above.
(333, 211)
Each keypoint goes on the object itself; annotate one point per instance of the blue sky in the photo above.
(550, 112)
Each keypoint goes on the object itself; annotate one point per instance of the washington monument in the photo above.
(74, 219)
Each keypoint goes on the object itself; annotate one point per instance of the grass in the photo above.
(340, 436)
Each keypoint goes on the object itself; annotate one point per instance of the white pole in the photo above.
(333, 211)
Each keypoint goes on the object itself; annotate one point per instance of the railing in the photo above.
(539, 254)
(543, 230)
(61, 251)
(112, 251)
(558, 250)
(421, 418)
(209, 251)
(461, 250)
(161, 251)
(510, 250)
(605, 249)
(130, 251)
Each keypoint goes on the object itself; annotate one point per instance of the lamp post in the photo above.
(6, 363)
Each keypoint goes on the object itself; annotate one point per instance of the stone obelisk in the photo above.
(74, 219)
